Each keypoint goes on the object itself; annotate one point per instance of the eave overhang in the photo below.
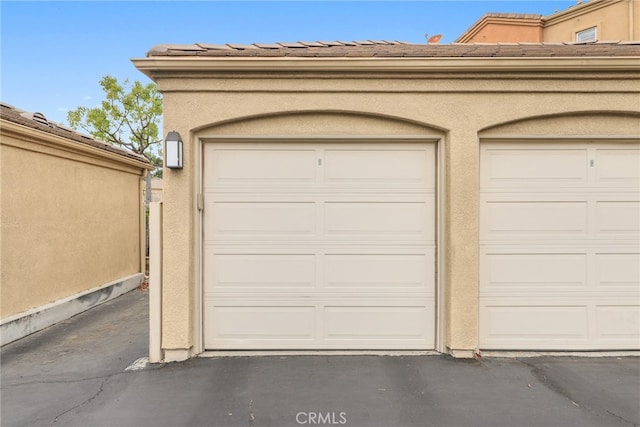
(159, 67)
(36, 136)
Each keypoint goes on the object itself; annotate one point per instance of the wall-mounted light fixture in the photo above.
(173, 151)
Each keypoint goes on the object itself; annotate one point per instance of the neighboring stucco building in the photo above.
(584, 22)
(383, 195)
(71, 231)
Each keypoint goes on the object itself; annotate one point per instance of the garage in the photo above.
(304, 216)
(319, 245)
(559, 245)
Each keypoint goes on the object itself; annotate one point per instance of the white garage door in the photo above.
(560, 246)
(319, 246)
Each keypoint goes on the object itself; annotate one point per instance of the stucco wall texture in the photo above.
(458, 108)
(69, 222)
(507, 31)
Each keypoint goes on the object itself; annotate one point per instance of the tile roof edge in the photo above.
(35, 122)
(512, 15)
(196, 47)
(387, 49)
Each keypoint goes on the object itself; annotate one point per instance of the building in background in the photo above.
(72, 222)
(585, 22)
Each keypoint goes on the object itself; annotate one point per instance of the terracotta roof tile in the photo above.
(214, 46)
(294, 45)
(512, 15)
(313, 44)
(268, 45)
(385, 48)
(179, 47)
(242, 46)
(38, 121)
(331, 43)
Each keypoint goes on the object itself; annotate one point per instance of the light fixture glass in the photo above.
(173, 151)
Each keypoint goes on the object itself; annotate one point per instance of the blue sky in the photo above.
(54, 53)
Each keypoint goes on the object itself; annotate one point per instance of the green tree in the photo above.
(129, 117)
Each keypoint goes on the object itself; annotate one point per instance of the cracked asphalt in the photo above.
(73, 374)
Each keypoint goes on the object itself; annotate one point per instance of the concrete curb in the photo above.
(20, 325)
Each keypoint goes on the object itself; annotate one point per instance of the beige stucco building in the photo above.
(585, 22)
(386, 196)
(72, 232)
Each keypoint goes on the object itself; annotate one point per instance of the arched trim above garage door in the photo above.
(322, 225)
(320, 123)
(610, 124)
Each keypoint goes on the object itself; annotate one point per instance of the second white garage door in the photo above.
(560, 246)
(319, 246)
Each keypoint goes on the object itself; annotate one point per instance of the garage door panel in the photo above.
(379, 168)
(618, 167)
(409, 220)
(377, 274)
(619, 324)
(517, 273)
(268, 273)
(618, 272)
(534, 218)
(618, 217)
(380, 272)
(378, 323)
(243, 323)
(325, 325)
(234, 167)
(533, 167)
(242, 219)
(531, 327)
(556, 270)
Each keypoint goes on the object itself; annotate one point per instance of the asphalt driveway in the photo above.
(74, 374)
